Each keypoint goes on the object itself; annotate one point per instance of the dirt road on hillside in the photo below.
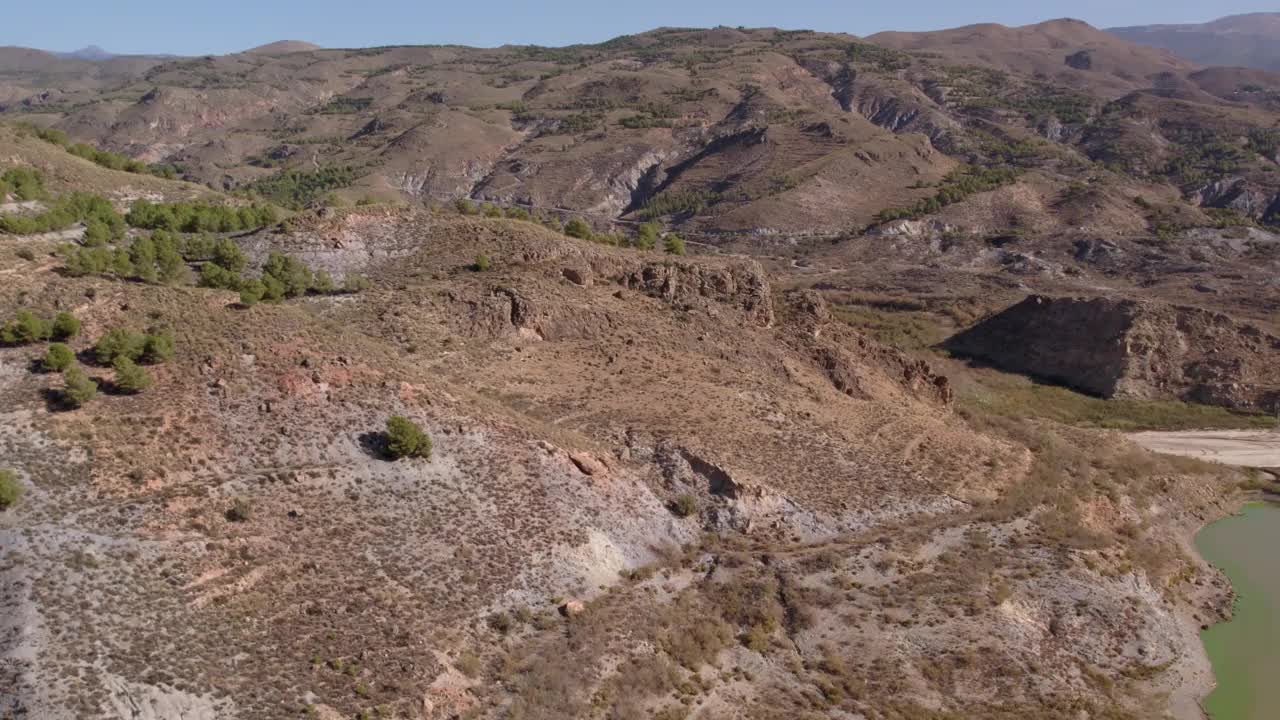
(1247, 448)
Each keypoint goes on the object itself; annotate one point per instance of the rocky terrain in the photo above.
(725, 130)
(1123, 348)
(738, 478)
(821, 561)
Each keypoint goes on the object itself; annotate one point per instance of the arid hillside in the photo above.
(719, 131)
(613, 381)
(700, 494)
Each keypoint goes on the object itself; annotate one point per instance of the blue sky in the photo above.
(193, 27)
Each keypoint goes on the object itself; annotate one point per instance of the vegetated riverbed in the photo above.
(1245, 652)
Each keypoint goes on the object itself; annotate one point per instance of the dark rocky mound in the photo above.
(1131, 349)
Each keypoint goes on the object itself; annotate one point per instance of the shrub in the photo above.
(118, 343)
(157, 348)
(215, 276)
(272, 289)
(170, 265)
(500, 622)
(405, 439)
(293, 276)
(10, 489)
(65, 326)
(578, 228)
(241, 510)
(673, 244)
(228, 255)
(323, 283)
(90, 260)
(647, 236)
(251, 292)
(684, 505)
(465, 206)
(142, 255)
(79, 389)
(58, 358)
(130, 377)
(96, 233)
(23, 183)
(25, 328)
(105, 158)
(481, 264)
(355, 283)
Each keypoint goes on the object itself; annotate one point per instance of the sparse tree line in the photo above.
(648, 236)
(163, 258)
(105, 158)
(102, 222)
(62, 213)
(123, 350)
(22, 183)
(955, 187)
(195, 217)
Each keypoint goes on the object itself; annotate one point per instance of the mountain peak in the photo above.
(283, 47)
(88, 52)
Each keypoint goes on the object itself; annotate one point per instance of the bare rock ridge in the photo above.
(1131, 349)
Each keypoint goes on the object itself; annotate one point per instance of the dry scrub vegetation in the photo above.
(656, 488)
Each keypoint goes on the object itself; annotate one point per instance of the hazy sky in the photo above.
(194, 27)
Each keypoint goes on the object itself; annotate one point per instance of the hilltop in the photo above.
(283, 47)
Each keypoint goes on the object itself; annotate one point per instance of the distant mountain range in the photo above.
(94, 53)
(91, 52)
(1239, 40)
(1250, 40)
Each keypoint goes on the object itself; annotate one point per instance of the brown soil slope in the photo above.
(1125, 348)
(742, 507)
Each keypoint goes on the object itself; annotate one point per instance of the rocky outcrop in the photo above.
(743, 285)
(1247, 198)
(890, 104)
(1131, 349)
(339, 242)
(853, 362)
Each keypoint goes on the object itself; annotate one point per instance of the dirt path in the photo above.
(1260, 449)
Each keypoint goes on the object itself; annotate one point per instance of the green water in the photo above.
(1246, 651)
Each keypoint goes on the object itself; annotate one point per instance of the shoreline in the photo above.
(1192, 697)
(1241, 450)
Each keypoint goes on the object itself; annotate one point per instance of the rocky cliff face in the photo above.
(1125, 348)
